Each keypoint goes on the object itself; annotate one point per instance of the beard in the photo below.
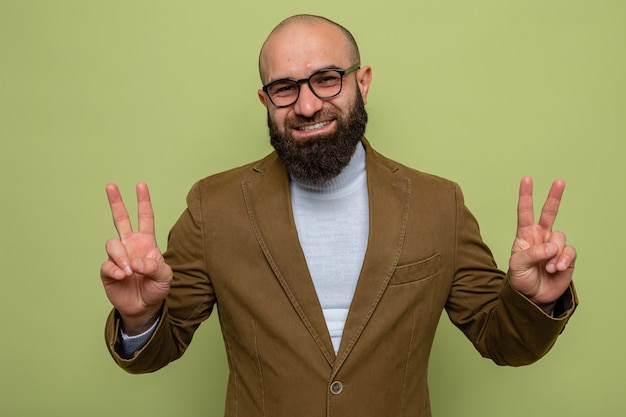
(320, 158)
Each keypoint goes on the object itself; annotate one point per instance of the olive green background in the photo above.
(481, 92)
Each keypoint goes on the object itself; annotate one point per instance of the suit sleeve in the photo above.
(189, 302)
(502, 323)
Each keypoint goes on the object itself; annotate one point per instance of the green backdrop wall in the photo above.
(481, 92)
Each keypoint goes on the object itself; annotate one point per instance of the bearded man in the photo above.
(329, 263)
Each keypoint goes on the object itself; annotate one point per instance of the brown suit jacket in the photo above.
(236, 247)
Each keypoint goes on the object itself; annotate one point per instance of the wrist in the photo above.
(133, 326)
(547, 308)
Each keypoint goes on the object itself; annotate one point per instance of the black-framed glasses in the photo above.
(326, 83)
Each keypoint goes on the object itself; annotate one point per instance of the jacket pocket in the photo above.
(416, 271)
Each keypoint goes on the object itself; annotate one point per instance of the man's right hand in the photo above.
(135, 277)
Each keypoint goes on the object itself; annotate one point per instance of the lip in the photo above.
(313, 129)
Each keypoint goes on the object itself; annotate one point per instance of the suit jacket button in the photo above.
(336, 387)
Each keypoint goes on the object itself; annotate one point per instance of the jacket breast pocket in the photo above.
(417, 271)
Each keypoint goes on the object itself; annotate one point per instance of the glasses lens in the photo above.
(283, 92)
(326, 83)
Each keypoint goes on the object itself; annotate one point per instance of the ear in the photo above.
(262, 97)
(364, 79)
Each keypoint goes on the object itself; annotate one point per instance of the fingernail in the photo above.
(128, 270)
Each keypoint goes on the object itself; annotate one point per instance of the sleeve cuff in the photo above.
(130, 344)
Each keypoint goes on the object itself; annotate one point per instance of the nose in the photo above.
(308, 103)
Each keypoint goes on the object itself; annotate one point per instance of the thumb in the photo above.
(535, 254)
(156, 270)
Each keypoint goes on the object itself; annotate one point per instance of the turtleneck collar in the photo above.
(347, 181)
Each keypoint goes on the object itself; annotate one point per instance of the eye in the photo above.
(327, 78)
(282, 88)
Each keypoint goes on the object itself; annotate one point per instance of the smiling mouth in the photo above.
(316, 126)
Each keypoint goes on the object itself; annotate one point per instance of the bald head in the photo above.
(287, 37)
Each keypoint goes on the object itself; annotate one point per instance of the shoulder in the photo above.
(231, 180)
(419, 180)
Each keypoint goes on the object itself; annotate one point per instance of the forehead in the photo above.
(299, 49)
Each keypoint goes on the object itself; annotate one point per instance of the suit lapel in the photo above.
(269, 210)
(268, 204)
(389, 198)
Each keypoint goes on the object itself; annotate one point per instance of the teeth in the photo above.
(315, 126)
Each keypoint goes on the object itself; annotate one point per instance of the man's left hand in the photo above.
(541, 264)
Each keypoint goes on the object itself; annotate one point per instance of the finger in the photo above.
(144, 207)
(567, 258)
(557, 238)
(551, 206)
(525, 211)
(110, 271)
(119, 212)
(118, 255)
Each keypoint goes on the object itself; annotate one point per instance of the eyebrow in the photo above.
(325, 67)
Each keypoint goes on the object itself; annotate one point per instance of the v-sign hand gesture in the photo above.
(135, 277)
(541, 264)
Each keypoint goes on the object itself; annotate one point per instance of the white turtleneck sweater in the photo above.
(332, 220)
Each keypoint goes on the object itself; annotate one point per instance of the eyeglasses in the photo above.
(325, 83)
